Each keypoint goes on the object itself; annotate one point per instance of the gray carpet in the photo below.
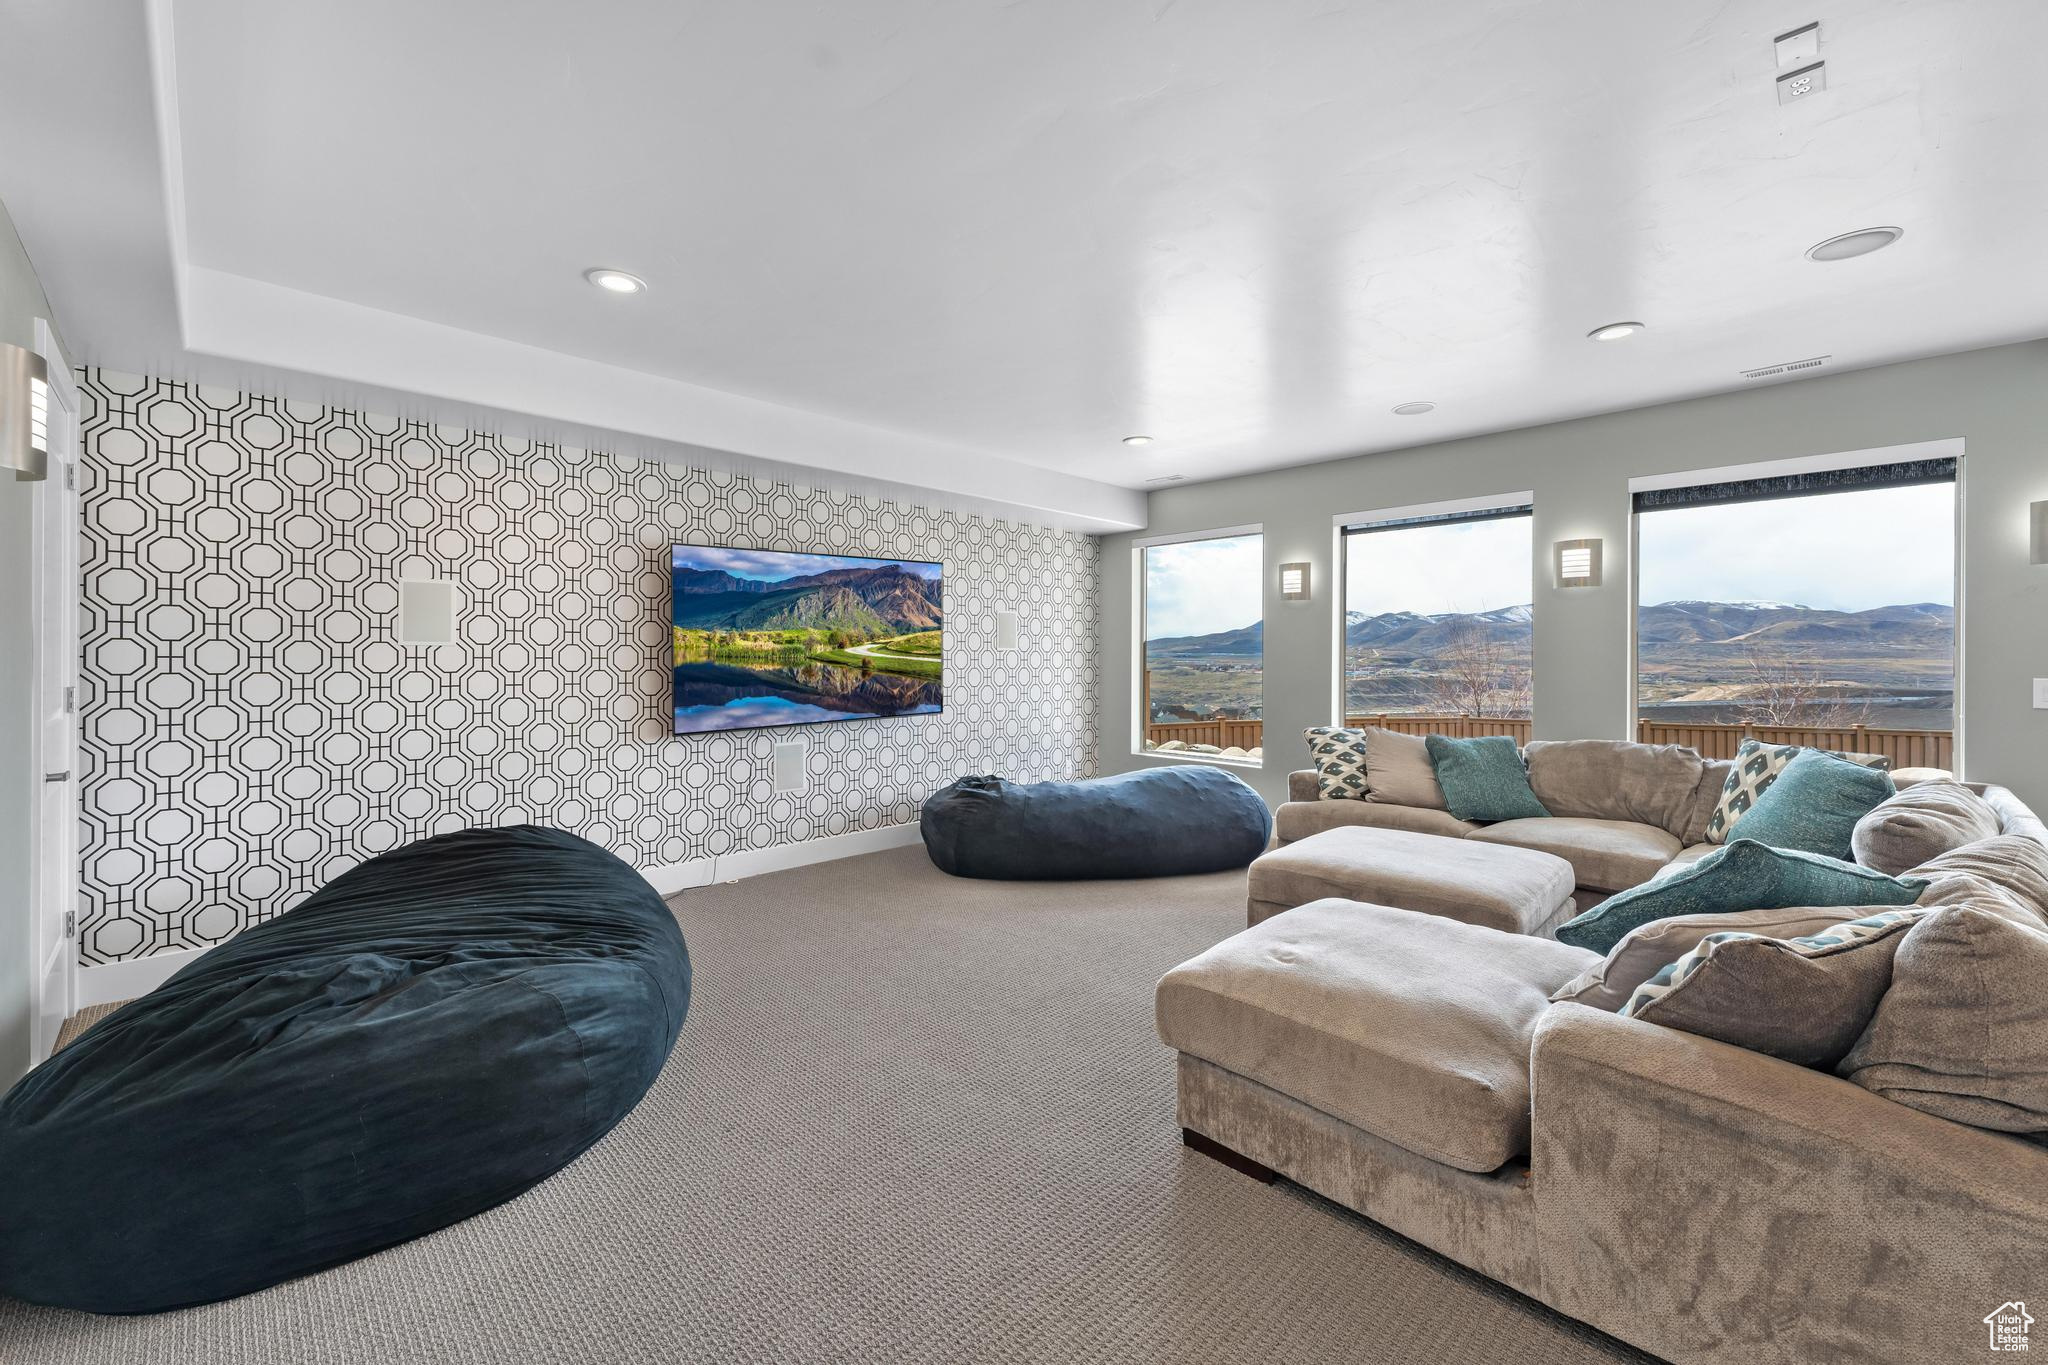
(909, 1119)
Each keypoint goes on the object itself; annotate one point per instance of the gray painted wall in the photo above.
(21, 303)
(1995, 400)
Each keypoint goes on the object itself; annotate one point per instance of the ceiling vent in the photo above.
(1790, 367)
(1166, 478)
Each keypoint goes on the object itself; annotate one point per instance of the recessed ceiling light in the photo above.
(1615, 331)
(1861, 242)
(615, 281)
(1414, 409)
(1137, 440)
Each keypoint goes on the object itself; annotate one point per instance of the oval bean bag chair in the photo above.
(1156, 822)
(426, 1036)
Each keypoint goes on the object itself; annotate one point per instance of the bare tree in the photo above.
(1782, 686)
(1479, 673)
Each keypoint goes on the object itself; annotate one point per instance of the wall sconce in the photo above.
(1294, 582)
(1578, 564)
(24, 413)
(2040, 511)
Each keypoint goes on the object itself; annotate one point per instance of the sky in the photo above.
(1462, 566)
(773, 565)
(1841, 551)
(1199, 587)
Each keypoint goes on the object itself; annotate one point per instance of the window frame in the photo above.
(1139, 720)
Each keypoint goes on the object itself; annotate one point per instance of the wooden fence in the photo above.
(1224, 734)
(1905, 748)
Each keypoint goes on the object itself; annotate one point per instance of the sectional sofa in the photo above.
(1699, 1200)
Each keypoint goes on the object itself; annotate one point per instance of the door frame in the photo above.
(54, 867)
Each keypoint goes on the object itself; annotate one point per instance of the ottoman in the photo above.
(1517, 890)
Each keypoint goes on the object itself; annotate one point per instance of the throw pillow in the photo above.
(1756, 767)
(1816, 803)
(2009, 873)
(1339, 756)
(1746, 875)
(1398, 771)
(1924, 821)
(1484, 779)
(1963, 1032)
(1805, 999)
(1608, 983)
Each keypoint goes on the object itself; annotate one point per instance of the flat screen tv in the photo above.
(767, 638)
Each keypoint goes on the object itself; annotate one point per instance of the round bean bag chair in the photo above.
(1156, 822)
(428, 1035)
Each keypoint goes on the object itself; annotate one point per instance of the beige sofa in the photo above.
(1703, 1202)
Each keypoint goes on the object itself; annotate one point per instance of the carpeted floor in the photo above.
(909, 1119)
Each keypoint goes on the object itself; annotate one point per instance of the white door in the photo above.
(57, 585)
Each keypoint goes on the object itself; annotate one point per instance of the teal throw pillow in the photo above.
(1746, 875)
(1815, 804)
(1484, 779)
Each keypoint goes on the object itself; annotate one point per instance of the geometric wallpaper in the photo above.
(251, 727)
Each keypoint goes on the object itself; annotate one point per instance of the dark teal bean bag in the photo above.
(1157, 822)
(428, 1035)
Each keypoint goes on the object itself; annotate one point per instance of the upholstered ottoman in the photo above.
(1518, 890)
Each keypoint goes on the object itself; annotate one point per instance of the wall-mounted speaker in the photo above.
(426, 611)
(1006, 630)
(790, 775)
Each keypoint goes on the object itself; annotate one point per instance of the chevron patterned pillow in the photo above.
(1756, 767)
(1339, 756)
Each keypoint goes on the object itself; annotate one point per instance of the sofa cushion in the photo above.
(1297, 820)
(1610, 779)
(1398, 770)
(1606, 855)
(1412, 1027)
(1815, 803)
(1608, 983)
(1515, 890)
(1746, 875)
(1339, 755)
(1920, 822)
(2009, 872)
(1687, 856)
(1706, 800)
(1963, 1031)
(1756, 767)
(1805, 999)
(1483, 779)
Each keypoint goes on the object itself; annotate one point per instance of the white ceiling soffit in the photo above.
(972, 245)
(100, 193)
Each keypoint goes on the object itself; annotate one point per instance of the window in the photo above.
(1201, 677)
(1438, 623)
(1814, 608)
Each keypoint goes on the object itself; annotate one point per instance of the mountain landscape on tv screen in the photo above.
(767, 638)
(1700, 662)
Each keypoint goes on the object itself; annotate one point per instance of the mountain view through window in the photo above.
(1831, 610)
(1204, 643)
(1437, 619)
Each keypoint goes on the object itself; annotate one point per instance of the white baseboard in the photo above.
(108, 982)
(669, 878)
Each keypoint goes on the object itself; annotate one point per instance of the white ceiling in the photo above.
(971, 244)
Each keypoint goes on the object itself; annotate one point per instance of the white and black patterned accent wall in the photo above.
(252, 727)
